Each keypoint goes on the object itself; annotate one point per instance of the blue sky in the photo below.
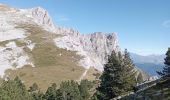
(143, 26)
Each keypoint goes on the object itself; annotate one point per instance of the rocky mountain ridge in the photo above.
(150, 64)
(156, 59)
(94, 47)
(28, 37)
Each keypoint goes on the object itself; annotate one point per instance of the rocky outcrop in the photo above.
(98, 46)
(94, 48)
(41, 16)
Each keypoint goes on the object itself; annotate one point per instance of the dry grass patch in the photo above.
(45, 76)
(52, 64)
(3, 43)
(92, 74)
(18, 42)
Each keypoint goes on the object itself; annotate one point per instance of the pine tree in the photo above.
(118, 77)
(51, 93)
(111, 79)
(129, 74)
(69, 90)
(166, 69)
(33, 88)
(84, 89)
(38, 95)
(14, 90)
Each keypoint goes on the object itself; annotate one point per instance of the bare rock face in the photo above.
(94, 48)
(99, 45)
(42, 16)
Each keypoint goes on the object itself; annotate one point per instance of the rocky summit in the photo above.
(37, 50)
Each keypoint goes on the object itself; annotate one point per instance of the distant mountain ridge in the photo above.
(156, 59)
(150, 63)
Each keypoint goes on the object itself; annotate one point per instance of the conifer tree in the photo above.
(51, 93)
(38, 95)
(69, 91)
(84, 89)
(129, 74)
(14, 90)
(118, 77)
(166, 70)
(111, 79)
(33, 88)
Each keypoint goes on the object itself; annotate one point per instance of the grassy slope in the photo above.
(92, 74)
(50, 66)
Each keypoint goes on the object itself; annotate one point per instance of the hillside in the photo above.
(38, 51)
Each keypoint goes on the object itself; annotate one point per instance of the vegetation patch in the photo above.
(3, 43)
(19, 42)
(52, 64)
(92, 74)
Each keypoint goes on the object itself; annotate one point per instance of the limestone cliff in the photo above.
(34, 29)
